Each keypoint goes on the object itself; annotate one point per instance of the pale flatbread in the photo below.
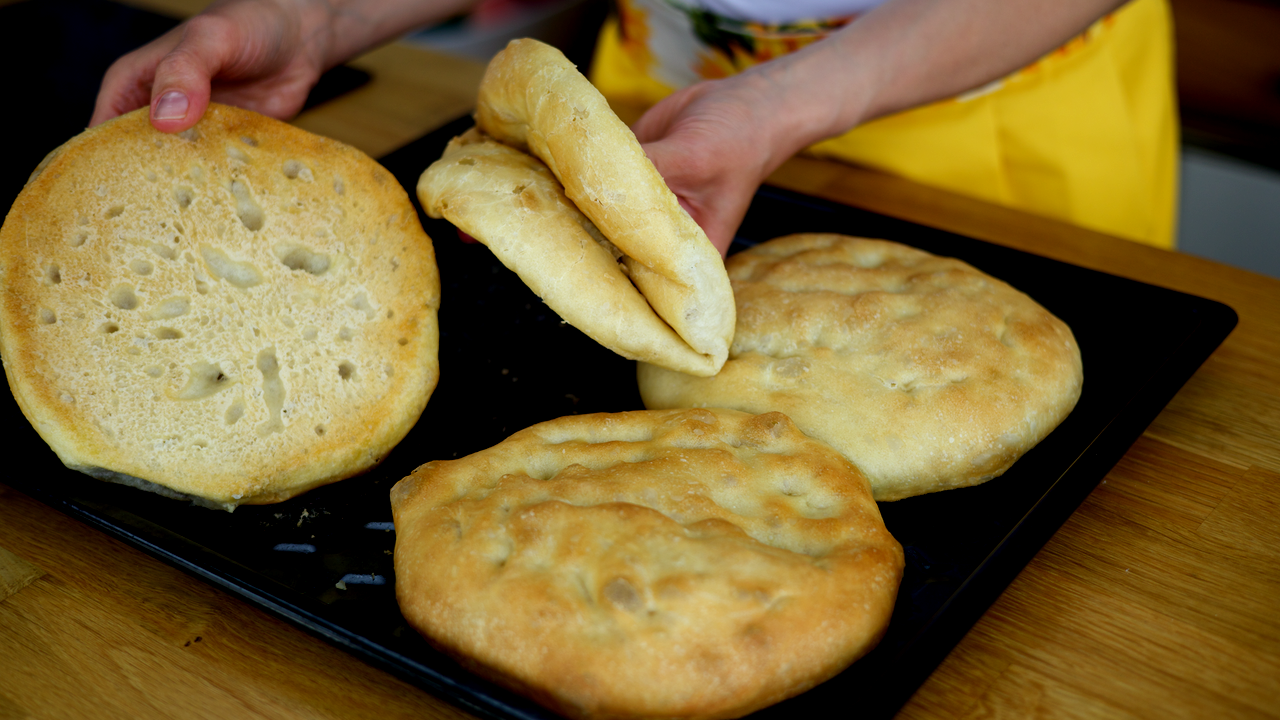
(925, 372)
(697, 563)
(233, 315)
(533, 99)
(510, 201)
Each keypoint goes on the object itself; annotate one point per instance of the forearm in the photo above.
(337, 30)
(907, 53)
(354, 26)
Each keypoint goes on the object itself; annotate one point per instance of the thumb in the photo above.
(183, 78)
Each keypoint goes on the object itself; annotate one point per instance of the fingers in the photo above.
(172, 74)
(249, 56)
(714, 143)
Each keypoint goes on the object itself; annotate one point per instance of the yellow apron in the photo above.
(1087, 134)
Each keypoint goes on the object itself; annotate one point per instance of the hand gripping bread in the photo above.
(233, 315)
(533, 99)
(923, 371)
(695, 563)
(508, 200)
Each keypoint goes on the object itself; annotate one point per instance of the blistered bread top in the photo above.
(236, 313)
(699, 563)
(923, 371)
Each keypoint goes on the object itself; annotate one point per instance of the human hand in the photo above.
(257, 54)
(716, 141)
(702, 140)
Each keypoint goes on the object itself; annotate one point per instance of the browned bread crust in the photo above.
(534, 99)
(697, 563)
(923, 371)
(234, 315)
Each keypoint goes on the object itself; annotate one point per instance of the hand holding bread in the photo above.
(532, 99)
(261, 55)
(512, 203)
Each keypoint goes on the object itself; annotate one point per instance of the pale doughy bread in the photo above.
(534, 99)
(509, 201)
(234, 315)
(923, 371)
(694, 563)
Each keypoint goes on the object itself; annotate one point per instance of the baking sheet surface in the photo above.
(323, 560)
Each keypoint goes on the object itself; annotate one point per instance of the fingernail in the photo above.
(171, 106)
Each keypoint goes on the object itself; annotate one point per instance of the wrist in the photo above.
(808, 96)
(318, 32)
(351, 27)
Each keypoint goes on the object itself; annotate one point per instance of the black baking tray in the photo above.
(323, 561)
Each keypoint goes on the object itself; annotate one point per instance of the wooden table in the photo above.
(1160, 597)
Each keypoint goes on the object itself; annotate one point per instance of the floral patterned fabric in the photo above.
(1087, 134)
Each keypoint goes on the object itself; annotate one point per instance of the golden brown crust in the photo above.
(923, 371)
(693, 563)
(236, 314)
(511, 202)
(533, 99)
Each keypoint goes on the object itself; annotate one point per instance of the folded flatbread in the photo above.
(534, 100)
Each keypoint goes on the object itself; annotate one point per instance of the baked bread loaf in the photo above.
(694, 563)
(510, 201)
(233, 315)
(534, 99)
(923, 371)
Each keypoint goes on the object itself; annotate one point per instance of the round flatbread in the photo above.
(694, 564)
(234, 315)
(923, 371)
(535, 100)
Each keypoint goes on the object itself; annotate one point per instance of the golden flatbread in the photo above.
(694, 563)
(923, 371)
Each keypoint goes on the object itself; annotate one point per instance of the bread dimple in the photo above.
(699, 563)
(511, 202)
(925, 372)
(534, 99)
(237, 313)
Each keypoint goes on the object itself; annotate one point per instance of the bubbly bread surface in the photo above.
(923, 371)
(510, 201)
(234, 315)
(692, 563)
(534, 99)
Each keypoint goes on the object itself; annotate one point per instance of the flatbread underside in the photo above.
(233, 315)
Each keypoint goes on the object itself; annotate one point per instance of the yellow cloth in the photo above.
(1087, 134)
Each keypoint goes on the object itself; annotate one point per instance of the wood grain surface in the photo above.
(1159, 598)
